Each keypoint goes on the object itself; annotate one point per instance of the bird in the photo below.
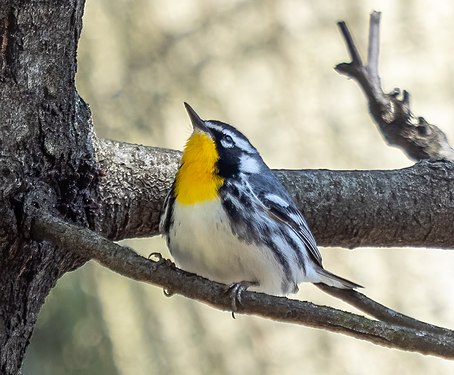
(228, 218)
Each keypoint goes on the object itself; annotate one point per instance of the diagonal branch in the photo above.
(414, 135)
(126, 262)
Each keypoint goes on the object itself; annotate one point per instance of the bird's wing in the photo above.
(288, 214)
(278, 204)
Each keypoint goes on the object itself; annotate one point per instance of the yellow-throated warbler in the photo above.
(228, 218)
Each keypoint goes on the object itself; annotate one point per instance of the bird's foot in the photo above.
(160, 259)
(235, 290)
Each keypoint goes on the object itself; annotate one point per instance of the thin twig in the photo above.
(127, 263)
(354, 53)
(374, 45)
(379, 311)
(415, 136)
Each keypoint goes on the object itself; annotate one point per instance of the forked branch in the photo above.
(414, 135)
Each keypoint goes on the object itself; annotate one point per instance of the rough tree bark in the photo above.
(411, 206)
(47, 158)
(52, 164)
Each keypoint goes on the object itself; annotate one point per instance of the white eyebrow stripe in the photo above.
(240, 141)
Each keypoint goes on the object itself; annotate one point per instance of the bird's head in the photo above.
(221, 147)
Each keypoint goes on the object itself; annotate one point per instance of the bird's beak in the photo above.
(197, 122)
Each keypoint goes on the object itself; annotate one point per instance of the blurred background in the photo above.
(266, 67)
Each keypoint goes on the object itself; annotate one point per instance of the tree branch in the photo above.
(379, 311)
(126, 262)
(414, 135)
(411, 206)
(135, 180)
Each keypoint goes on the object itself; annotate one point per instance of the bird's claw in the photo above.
(235, 290)
(168, 292)
(158, 256)
(160, 259)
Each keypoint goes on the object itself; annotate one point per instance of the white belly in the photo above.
(202, 242)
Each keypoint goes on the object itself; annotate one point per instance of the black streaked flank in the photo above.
(257, 229)
(167, 212)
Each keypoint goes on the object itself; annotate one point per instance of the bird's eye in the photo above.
(227, 141)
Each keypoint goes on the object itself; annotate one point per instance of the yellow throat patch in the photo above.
(197, 180)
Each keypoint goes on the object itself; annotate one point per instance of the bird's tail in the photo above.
(331, 279)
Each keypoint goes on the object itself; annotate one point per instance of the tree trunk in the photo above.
(47, 158)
